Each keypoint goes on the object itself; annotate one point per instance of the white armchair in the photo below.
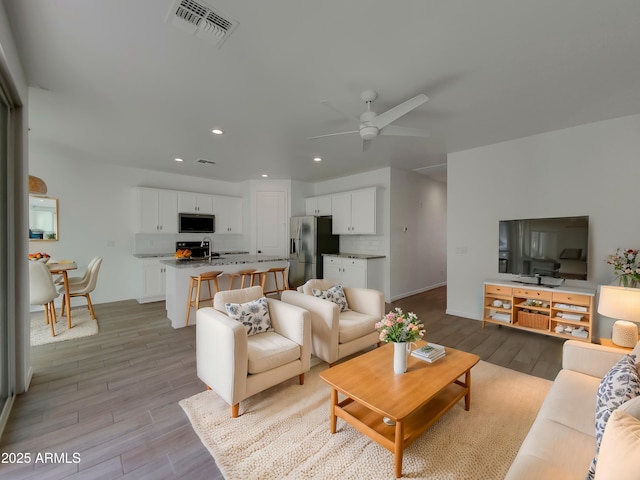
(237, 365)
(336, 334)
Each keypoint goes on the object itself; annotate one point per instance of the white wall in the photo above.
(588, 170)
(96, 206)
(417, 233)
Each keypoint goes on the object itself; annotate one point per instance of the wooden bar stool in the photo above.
(243, 274)
(195, 283)
(285, 284)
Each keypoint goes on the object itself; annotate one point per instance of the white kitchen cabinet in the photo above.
(354, 272)
(153, 280)
(318, 205)
(354, 213)
(157, 211)
(228, 212)
(195, 203)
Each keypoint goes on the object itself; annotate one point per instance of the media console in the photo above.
(565, 312)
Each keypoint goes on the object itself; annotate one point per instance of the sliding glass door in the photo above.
(6, 362)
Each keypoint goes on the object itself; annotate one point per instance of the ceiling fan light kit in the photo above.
(372, 124)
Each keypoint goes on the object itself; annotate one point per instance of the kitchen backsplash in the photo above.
(150, 243)
(366, 244)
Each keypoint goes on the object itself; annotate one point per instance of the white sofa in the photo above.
(336, 334)
(561, 442)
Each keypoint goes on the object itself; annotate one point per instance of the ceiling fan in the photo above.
(372, 124)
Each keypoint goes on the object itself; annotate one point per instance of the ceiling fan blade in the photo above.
(327, 104)
(366, 144)
(403, 131)
(398, 111)
(333, 134)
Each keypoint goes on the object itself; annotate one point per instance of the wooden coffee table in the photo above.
(414, 400)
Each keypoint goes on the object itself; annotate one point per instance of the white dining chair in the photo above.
(76, 279)
(83, 289)
(42, 291)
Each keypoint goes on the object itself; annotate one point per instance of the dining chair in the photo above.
(42, 291)
(80, 279)
(83, 289)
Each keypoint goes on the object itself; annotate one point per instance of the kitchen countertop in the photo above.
(158, 255)
(224, 260)
(352, 255)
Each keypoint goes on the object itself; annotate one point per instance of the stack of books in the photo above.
(429, 353)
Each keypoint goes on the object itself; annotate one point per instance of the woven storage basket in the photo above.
(533, 320)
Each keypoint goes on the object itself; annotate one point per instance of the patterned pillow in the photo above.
(253, 315)
(620, 384)
(335, 294)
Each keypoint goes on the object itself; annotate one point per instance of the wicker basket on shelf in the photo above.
(533, 320)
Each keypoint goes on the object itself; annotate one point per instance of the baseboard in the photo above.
(4, 416)
(468, 315)
(415, 292)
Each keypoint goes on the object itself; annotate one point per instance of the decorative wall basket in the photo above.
(37, 186)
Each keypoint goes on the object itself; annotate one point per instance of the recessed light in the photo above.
(264, 175)
(179, 160)
(317, 159)
(217, 131)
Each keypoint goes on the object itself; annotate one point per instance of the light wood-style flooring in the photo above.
(113, 398)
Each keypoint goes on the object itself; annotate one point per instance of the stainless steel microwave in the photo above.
(196, 223)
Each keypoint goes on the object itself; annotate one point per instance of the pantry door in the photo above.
(271, 223)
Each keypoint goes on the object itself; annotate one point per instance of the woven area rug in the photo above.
(284, 433)
(82, 325)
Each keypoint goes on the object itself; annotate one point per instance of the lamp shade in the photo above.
(620, 303)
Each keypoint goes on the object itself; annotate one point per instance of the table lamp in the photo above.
(623, 304)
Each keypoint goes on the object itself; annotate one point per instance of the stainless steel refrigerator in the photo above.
(309, 238)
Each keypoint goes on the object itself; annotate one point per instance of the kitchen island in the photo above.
(179, 272)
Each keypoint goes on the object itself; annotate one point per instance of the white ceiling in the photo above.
(112, 82)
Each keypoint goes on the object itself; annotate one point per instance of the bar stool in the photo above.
(243, 274)
(285, 284)
(196, 282)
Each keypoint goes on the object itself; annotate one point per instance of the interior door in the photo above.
(272, 232)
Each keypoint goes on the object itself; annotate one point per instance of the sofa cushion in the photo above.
(254, 315)
(620, 384)
(355, 325)
(571, 402)
(552, 451)
(270, 350)
(334, 294)
(618, 458)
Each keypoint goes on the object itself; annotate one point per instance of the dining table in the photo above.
(62, 267)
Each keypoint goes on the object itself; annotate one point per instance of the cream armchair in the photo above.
(336, 334)
(237, 365)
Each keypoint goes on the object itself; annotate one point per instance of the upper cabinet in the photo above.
(195, 203)
(157, 211)
(228, 212)
(354, 213)
(318, 205)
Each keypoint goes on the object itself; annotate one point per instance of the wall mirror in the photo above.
(43, 218)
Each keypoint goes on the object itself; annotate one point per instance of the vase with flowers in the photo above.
(401, 329)
(626, 265)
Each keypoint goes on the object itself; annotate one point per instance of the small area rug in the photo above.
(82, 325)
(284, 432)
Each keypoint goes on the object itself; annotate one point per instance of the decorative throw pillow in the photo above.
(253, 315)
(620, 384)
(618, 458)
(334, 294)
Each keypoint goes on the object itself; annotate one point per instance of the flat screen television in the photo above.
(549, 247)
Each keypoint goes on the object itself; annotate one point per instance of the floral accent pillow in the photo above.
(620, 384)
(334, 294)
(253, 315)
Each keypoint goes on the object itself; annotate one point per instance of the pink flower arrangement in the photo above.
(625, 265)
(397, 326)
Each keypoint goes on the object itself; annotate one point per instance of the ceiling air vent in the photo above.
(201, 20)
(205, 162)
